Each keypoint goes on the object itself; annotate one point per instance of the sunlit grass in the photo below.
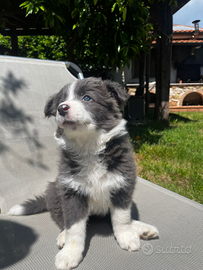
(170, 154)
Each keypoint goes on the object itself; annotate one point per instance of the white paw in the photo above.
(145, 231)
(61, 239)
(69, 257)
(127, 237)
(16, 210)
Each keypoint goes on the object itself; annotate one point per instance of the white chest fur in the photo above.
(94, 181)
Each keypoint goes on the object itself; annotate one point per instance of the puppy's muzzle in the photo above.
(63, 109)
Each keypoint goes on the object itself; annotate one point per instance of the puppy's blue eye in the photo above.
(86, 98)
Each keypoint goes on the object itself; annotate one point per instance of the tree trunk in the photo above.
(70, 43)
(14, 44)
(163, 64)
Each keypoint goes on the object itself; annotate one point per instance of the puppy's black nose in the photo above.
(63, 109)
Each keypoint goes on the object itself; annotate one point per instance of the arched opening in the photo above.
(193, 99)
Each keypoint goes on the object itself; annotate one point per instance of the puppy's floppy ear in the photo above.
(53, 102)
(50, 107)
(118, 92)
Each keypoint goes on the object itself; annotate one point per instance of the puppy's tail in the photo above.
(30, 207)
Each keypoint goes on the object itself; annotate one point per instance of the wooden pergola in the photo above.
(162, 19)
(14, 24)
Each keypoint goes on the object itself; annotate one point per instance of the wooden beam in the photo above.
(148, 58)
(163, 64)
(140, 90)
(26, 32)
(179, 5)
(14, 44)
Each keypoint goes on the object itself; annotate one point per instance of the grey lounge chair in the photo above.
(28, 157)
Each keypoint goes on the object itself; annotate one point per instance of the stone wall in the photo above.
(179, 91)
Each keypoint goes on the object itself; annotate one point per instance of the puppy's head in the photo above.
(86, 105)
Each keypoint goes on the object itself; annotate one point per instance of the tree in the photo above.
(104, 34)
(100, 34)
(43, 47)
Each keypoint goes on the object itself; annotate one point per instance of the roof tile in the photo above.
(187, 41)
(178, 28)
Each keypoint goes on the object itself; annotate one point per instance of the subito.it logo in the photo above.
(147, 249)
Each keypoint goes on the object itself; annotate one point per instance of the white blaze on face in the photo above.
(71, 94)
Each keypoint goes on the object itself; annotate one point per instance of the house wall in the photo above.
(173, 73)
(179, 54)
(135, 69)
(122, 76)
(199, 53)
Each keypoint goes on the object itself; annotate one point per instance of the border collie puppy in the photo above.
(97, 172)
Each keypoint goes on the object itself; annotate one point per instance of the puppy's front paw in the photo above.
(127, 238)
(68, 258)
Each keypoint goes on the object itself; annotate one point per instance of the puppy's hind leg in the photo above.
(54, 204)
(144, 230)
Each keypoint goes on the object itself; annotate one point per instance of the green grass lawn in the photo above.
(170, 154)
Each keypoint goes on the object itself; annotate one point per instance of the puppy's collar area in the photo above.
(116, 132)
(94, 141)
(78, 142)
